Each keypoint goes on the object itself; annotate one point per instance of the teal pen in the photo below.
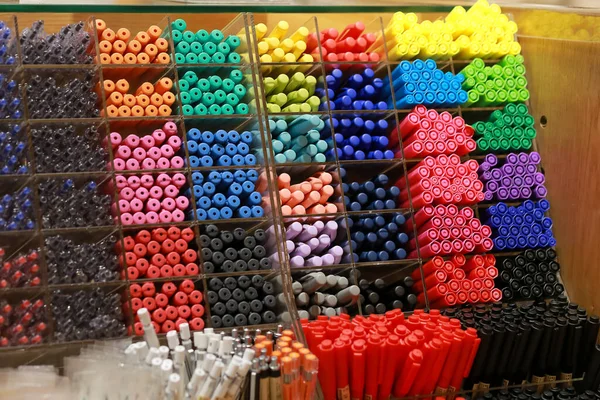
(185, 98)
(191, 58)
(299, 143)
(232, 100)
(179, 25)
(184, 85)
(220, 96)
(311, 150)
(214, 109)
(277, 146)
(290, 155)
(200, 109)
(218, 58)
(190, 77)
(208, 99)
(196, 48)
(303, 124)
(182, 47)
(215, 82)
(319, 158)
(313, 136)
(216, 36)
(236, 76)
(179, 58)
(303, 158)
(223, 48)
(227, 85)
(177, 37)
(210, 48)
(279, 126)
(280, 158)
(240, 91)
(242, 109)
(203, 84)
(234, 58)
(322, 146)
(202, 36)
(187, 109)
(285, 138)
(195, 95)
(227, 109)
(188, 37)
(203, 58)
(233, 42)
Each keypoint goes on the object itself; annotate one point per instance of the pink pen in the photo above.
(132, 141)
(165, 216)
(171, 191)
(174, 142)
(123, 152)
(147, 181)
(182, 202)
(178, 215)
(170, 128)
(121, 182)
(127, 193)
(139, 153)
(179, 179)
(133, 182)
(167, 151)
(163, 163)
(154, 153)
(168, 204)
(139, 218)
(126, 219)
(142, 193)
(159, 136)
(114, 138)
(163, 180)
(153, 205)
(176, 162)
(132, 164)
(156, 192)
(147, 142)
(152, 217)
(136, 205)
(148, 163)
(123, 206)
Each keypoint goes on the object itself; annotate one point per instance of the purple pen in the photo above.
(293, 230)
(531, 168)
(502, 194)
(324, 242)
(319, 225)
(290, 245)
(540, 191)
(297, 262)
(337, 252)
(491, 186)
(539, 178)
(514, 193)
(507, 169)
(327, 259)
(488, 196)
(313, 243)
(512, 158)
(523, 157)
(491, 159)
(308, 232)
(314, 261)
(534, 157)
(330, 229)
(484, 166)
(506, 181)
(525, 192)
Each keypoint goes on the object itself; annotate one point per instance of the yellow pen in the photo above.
(300, 34)
(280, 30)
(261, 31)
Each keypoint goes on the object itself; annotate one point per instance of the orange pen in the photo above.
(145, 88)
(134, 47)
(124, 111)
(115, 98)
(137, 111)
(154, 32)
(123, 34)
(151, 111)
(168, 98)
(105, 46)
(112, 111)
(156, 99)
(283, 181)
(162, 58)
(116, 58)
(142, 100)
(109, 86)
(122, 86)
(129, 58)
(162, 45)
(108, 34)
(310, 367)
(164, 110)
(100, 26)
(151, 50)
(143, 38)
(104, 58)
(143, 58)
(129, 100)
(287, 374)
(163, 85)
(119, 46)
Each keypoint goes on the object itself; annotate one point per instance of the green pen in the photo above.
(511, 109)
(241, 108)
(483, 144)
(223, 48)
(508, 72)
(489, 85)
(499, 83)
(210, 48)
(524, 95)
(528, 121)
(469, 83)
(495, 116)
(513, 96)
(280, 99)
(233, 42)
(298, 96)
(203, 58)
(508, 132)
(480, 76)
(295, 82)
(497, 71)
(518, 120)
(215, 82)
(314, 102)
(203, 84)
(502, 96)
(515, 143)
(526, 143)
(188, 37)
(214, 109)
(490, 98)
(519, 132)
(519, 69)
(489, 126)
(191, 58)
(521, 109)
(521, 82)
(494, 143)
(469, 71)
(480, 88)
(216, 36)
(472, 98)
(191, 77)
(182, 47)
(184, 85)
(179, 58)
(479, 127)
(186, 109)
(510, 83)
(487, 71)
(227, 109)
(202, 36)
(185, 98)
(220, 96)
(281, 83)
(200, 109)
(497, 133)
(233, 58)
(236, 76)
(478, 63)
(305, 108)
(240, 90)
(519, 59)
(208, 99)
(508, 61)
(504, 144)
(529, 133)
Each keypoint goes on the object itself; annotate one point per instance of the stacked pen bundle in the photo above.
(65, 204)
(429, 133)
(22, 323)
(373, 194)
(379, 296)
(241, 300)
(226, 195)
(159, 253)
(516, 179)
(223, 94)
(277, 47)
(352, 44)
(293, 93)
(385, 354)
(233, 251)
(87, 314)
(407, 38)
(442, 180)
(314, 244)
(531, 274)
(421, 82)
(378, 237)
(170, 304)
(509, 129)
(147, 100)
(311, 196)
(458, 280)
(495, 85)
(445, 230)
(79, 152)
(14, 156)
(11, 98)
(347, 90)
(151, 198)
(16, 210)
(71, 45)
(323, 294)
(538, 343)
(520, 227)
(72, 262)
(70, 97)
(8, 48)
(203, 47)
(152, 151)
(222, 148)
(364, 137)
(301, 139)
(120, 47)
(19, 270)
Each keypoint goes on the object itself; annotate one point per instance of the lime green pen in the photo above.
(280, 99)
(472, 98)
(295, 82)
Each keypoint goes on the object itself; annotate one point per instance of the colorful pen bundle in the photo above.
(481, 31)
(234, 251)
(221, 148)
(495, 85)
(150, 198)
(14, 157)
(311, 196)
(316, 243)
(529, 275)
(385, 354)
(444, 230)
(348, 90)
(321, 294)
(226, 194)
(20, 270)
(279, 47)
(146, 47)
(374, 194)
(293, 93)
(169, 303)
(421, 82)
(378, 237)
(441, 180)
(379, 296)
(8, 48)
(70, 45)
(517, 178)
(22, 323)
(520, 227)
(301, 139)
(71, 262)
(203, 47)
(147, 100)
(508, 129)
(240, 301)
(223, 94)
(352, 44)
(16, 210)
(538, 343)
(457, 281)
(360, 137)
(429, 133)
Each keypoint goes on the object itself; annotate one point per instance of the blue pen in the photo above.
(219, 200)
(237, 160)
(213, 213)
(203, 202)
(244, 212)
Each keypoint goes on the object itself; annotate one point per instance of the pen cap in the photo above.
(213, 345)
(179, 355)
(209, 361)
(163, 352)
(152, 354)
(200, 340)
(249, 354)
(225, 346)
(166, 368)
(217, 369)
(141, 349)
(244, 368)
(233, 366)
(172, 339)
(184, 331)
(173, 383)
(144, 316)
(209, 331)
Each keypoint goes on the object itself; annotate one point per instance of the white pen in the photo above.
(228, 377)
(174, 390)
(213, 344)
(211, 382)
(149, 332)
(198, 378)
(152, 354)
(164, 352)
(141, 348)
(239, 379)
(186, 341)
(179, 363)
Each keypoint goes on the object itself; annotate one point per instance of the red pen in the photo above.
(467, 355)
(392, 351)
(359, 348)
(431, 354)
(432, 280)
(326, 355)
(410, 369)
(440, 362)
(341, 369)
(374, 343)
